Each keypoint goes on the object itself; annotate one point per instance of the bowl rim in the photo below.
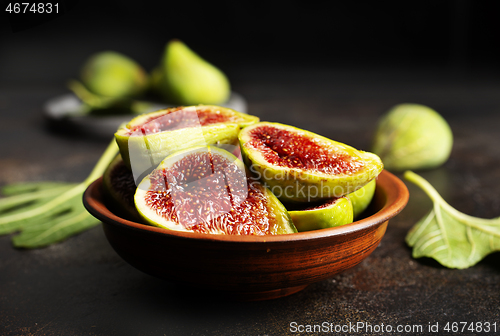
(392, 187)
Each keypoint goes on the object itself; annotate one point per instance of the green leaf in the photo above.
(91, 99)
(454, 239)
(21, 199)
(57, 228)
(49, 212)
(94, 102)
(12, 208)
(55, 205)
(29, 187)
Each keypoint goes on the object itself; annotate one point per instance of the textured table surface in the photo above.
(82, 287)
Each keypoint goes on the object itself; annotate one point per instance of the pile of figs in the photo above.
(213, 170)
(113, 83)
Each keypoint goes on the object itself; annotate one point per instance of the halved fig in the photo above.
(206, 190)
(333, 212)
(147, 139)
(302, 166)
(119, 189)
(362, 197)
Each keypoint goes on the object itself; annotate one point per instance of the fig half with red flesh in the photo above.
(206, 190)
(301, 166)
(325, 214)
(147, 139)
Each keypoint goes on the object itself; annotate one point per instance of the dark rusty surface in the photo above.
(82, 287)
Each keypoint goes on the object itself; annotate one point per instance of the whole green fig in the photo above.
(412, 136)
(185, 78)
(111, 74)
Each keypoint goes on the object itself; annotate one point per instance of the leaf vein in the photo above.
(439, 220)
(470, 238)
(430, 242)
(424, 224)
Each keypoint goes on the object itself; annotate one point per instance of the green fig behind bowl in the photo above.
(185, 78)
(301, 166)
(412, 136)
(111, 74)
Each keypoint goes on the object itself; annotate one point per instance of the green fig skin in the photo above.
(141, 152)
(336, 214)
(111, 74)
(412, 137)
(118, 173)
(185, 78)
(362, 198)
(284, 224)
(298, 185)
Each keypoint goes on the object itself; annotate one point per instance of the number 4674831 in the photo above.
(35, 8)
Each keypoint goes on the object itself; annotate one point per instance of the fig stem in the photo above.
(101, 165)
(93, 101)
(88, 97)
(436, 198)
(424, 185)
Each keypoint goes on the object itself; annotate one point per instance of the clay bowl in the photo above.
(250, 267)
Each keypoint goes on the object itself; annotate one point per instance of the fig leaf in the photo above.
(49, 212)
(454, 239)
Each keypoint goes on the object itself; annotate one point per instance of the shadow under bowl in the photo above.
(250, 267)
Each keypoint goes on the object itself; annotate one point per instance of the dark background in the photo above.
(455, 37)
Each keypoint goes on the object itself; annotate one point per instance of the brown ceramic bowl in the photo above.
(250, 267)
